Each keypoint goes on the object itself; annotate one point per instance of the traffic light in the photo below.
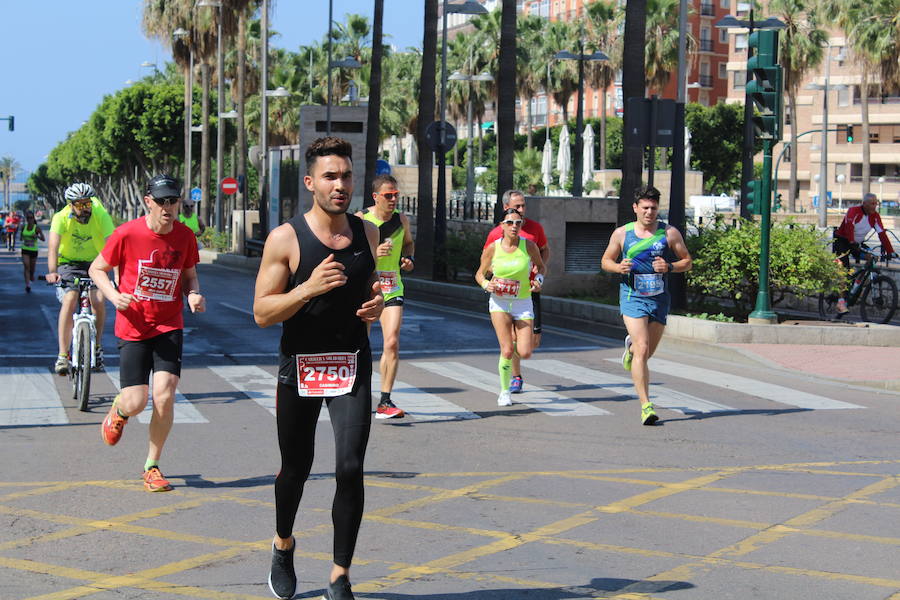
(776, 206)
(755, 196)
(12, 123)
(765, 87)
(848, 129)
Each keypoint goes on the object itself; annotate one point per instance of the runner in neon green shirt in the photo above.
(77, 234)
(190, 217)
(393, 254)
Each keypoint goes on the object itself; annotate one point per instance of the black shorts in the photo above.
(536, 307)
(138, 358)
(844, 248)
(31, 253)
(70, 270)
(395, 301)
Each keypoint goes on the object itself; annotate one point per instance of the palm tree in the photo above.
(506, 103)
(9, 168)
(661, 56)
(800, 51)
(561, 35)
(374, 110)
(530, 63)
(425, 210)
(633, 84)
(603, 19)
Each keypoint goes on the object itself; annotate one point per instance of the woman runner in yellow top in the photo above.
(509, 260)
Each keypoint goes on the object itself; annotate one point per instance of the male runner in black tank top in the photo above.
(317, 276)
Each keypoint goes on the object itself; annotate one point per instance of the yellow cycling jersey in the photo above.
(81, 242)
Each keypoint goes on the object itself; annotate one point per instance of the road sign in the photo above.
(229, 185)
(433, 136)
(639, 119)
(382, 167)
(196, 194)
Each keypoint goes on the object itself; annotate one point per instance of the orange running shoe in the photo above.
(155, 482)
(112, 426)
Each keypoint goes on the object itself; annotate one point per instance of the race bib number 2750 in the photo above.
(327, 374)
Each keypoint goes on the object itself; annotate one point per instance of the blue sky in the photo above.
(60, 57)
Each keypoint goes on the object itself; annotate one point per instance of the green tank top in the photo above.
(192, 221)
(388, 267)
(511, 271)
(29, 238)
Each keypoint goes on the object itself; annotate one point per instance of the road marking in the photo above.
(258, 384)
(30, 397)
(745, 385)
(422, 406)
(237, 308)
(545, 401)
(185, 411)
(665, 398)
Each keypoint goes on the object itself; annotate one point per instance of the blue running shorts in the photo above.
(638, 307)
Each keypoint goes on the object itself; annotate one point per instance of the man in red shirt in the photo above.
(533, 231)
(857, 224)
(156, 256)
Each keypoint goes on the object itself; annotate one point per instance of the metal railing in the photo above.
(482, 209)
(707, 9)
(706, 45)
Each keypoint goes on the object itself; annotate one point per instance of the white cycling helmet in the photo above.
(79, 191)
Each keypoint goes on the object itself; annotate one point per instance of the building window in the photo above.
(740, 41)
(740, 80)
(726, 4)
(723, 70)
(723, 36)
(844, 96)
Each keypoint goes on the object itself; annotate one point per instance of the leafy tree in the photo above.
(716, 140)
(603, 22)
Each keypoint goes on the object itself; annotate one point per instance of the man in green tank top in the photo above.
(394, 254)
(30, 233)
(190, 217)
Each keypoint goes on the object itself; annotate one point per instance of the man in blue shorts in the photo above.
(640, 252)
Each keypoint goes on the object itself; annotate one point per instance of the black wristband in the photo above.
(671, 267)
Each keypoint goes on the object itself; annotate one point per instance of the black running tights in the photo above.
(350, 419)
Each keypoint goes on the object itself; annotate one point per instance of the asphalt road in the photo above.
(756, 484)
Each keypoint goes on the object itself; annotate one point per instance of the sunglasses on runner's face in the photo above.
(516, 222)
(170, 201)
(391, 195)
(82, 204)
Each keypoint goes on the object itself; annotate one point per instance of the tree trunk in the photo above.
(188, 99)
(633, 82)
(506, 105)
(864, 109)
(241, 197)
(373, 133)
(603, 132)
(792, 190)
(480, 141)
(425, 207)
(529, 123)
(204, 145)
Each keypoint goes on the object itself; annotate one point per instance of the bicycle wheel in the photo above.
(828, 307)
(879, 300)
(83, 368)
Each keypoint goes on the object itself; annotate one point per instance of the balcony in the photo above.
(706, 45)
(706, 81)
(707, 9)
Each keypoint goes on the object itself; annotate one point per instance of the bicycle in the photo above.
(875, 293)
(83, 352)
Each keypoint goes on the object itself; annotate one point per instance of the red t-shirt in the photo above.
(530, 230)
(150, 268)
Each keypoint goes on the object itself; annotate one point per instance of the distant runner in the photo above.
(644, 293)
(30, 233)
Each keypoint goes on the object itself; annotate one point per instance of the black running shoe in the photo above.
(282, 579)
(339, 590)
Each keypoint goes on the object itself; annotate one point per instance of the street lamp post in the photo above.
(220, 129)
(578, 163)
(184, 34)
(470, 162)
(345, 63)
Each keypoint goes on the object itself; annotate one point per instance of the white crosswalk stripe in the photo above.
(661, 397)
(258, 384)
(421, 405)
(30, 398)
(185, 411)
(548, 402)
(745, 385)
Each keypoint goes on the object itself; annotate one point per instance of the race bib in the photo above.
(648, 284)
(154, 283)
(325, 375)
(389, 282)
(506, 288)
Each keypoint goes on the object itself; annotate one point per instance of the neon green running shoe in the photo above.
(628, 355)
(648, 415)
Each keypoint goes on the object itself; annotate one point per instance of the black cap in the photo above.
(164, 186)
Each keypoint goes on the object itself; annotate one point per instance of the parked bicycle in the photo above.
(874, 292)
(83, 352)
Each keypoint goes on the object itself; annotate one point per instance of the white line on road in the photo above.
(745, 385)
(258, 384)
(30, 397)
(664, 398)
(548, 402)
(420, 405)
(185, 411)
(237, 308)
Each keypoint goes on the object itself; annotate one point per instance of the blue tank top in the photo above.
(642, 251)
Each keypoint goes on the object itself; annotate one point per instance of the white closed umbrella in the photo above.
(410, 152)
(547, 164)
(587, 163)
(394, 150)
(563, 157)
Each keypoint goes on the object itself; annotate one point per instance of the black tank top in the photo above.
(327, 323)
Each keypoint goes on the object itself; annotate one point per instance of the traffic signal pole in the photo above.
(763, 310)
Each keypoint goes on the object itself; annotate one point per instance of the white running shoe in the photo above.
(504, 399)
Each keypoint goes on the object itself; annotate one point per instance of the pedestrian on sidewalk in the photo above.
(640, 252)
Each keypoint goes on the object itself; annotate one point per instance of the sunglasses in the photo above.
(391, 195)
(170, 201)
(512, 222)
(82, 204)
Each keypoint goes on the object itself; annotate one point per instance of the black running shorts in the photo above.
(137, 359)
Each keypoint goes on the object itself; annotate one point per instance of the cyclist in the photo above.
(530, 230)
(30, 233)
(190, 217)
(156, 256)
(393, 254)
(11, 226)
(317, 277)
(636, 252)
(857, 224)
(511, 260)
(77, 234)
